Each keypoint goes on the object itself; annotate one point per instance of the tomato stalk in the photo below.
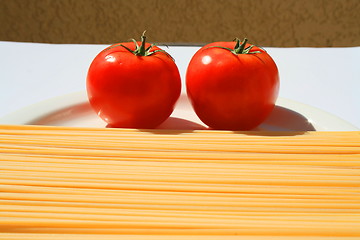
(142, 50)
(239, 47)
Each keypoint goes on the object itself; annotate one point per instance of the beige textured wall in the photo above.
(279, 23)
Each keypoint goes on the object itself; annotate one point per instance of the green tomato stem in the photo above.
(242, 46)
(239, 47)
(141, 51)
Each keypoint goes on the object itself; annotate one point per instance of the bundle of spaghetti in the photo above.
(91, 183)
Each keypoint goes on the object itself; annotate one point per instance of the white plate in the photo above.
(74, 110)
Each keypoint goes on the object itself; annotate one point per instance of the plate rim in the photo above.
(25, 114)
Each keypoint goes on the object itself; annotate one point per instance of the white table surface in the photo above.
(325, 78)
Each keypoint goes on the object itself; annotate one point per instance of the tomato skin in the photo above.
(132, 91)
(232, 91)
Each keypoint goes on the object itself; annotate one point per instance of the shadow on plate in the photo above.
(284, 119)
(280, 120)
(174, 125)
(283, 122)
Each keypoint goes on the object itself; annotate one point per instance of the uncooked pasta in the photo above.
(92, 183)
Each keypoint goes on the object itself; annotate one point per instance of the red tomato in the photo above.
(232, 85)
(133, 85)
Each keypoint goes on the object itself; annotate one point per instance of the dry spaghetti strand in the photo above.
(87, 183)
